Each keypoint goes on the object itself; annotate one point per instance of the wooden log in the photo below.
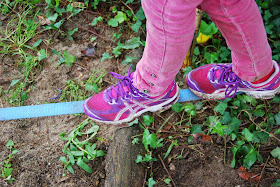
(121, 169)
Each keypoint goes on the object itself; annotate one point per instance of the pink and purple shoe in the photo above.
(218, 81)
(122, 102)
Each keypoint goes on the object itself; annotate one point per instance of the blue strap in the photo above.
(54, 109)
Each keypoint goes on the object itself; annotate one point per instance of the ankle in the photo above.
(264, 78)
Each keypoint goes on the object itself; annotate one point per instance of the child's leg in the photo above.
(170, 29)
(241, 24)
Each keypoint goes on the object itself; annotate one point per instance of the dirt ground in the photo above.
(37, 162)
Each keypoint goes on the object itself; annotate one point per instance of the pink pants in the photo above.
(170, 30)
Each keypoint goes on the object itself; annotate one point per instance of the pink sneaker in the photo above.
(218, 81)
(123, 102)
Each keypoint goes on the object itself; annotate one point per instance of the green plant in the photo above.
(80, 151)
(74, 91)
(6, 166)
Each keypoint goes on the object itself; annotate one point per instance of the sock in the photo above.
(264, 78)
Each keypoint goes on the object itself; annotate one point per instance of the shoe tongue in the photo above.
(114, 93)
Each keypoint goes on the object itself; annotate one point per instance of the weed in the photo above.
(80, 152)
(6, 166)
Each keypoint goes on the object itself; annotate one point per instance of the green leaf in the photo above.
(72, 159)
(234, 126)
(128, 60)
(190, 109)
(42, 54)
(277, 131)
(139, 159)
(58, 24)
(77, 153)
(277, 183)
(151, 139)
(169, 149)
(167, 180)
(276, 153)
(14, 82)
(10, 144)
(36, 44)
(91, 87)
(250, 158)
(106, 56)
(276, 99)
(69, 59)
(140, 14)
(70, 169)
(120, 17)
(211, 57)
(208, 29)
(70, 33)
(226, 118)
(221, 107)
(132, 43)
(53, 17)
(151, 182)
(113, 23)
(83, 165)
(133, 122)
(63, 160)
(177, 107)
(148, 119)
(23, 96)
(100, 153)
(96, 20)
(260, 137)
(247, 134)
(219, 128)
(196, 129)
(14, 152)
(277, 118)
(136, 26)
(93, 129)
(7, 171)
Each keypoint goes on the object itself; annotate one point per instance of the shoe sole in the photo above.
(255, 94)
(161, 107)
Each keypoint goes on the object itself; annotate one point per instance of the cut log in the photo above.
(121, 169)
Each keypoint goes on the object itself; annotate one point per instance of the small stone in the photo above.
(172, 167)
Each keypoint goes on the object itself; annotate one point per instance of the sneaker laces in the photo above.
(125, 81)
(226, 78)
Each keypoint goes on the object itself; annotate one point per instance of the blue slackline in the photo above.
(54, 109)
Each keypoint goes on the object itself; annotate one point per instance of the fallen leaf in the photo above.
(89, 51)
(202, 137)
(44, 20)
(242, 172)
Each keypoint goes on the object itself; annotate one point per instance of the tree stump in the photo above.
(121, 169)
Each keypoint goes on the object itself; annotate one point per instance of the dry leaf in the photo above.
(89, 51)
(44, 20)
(248, 176)
(202, 137)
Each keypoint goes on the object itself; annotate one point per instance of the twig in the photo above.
(145, 178)
(263, 168)
(166, 170)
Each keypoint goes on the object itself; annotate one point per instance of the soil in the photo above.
(40, 147)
